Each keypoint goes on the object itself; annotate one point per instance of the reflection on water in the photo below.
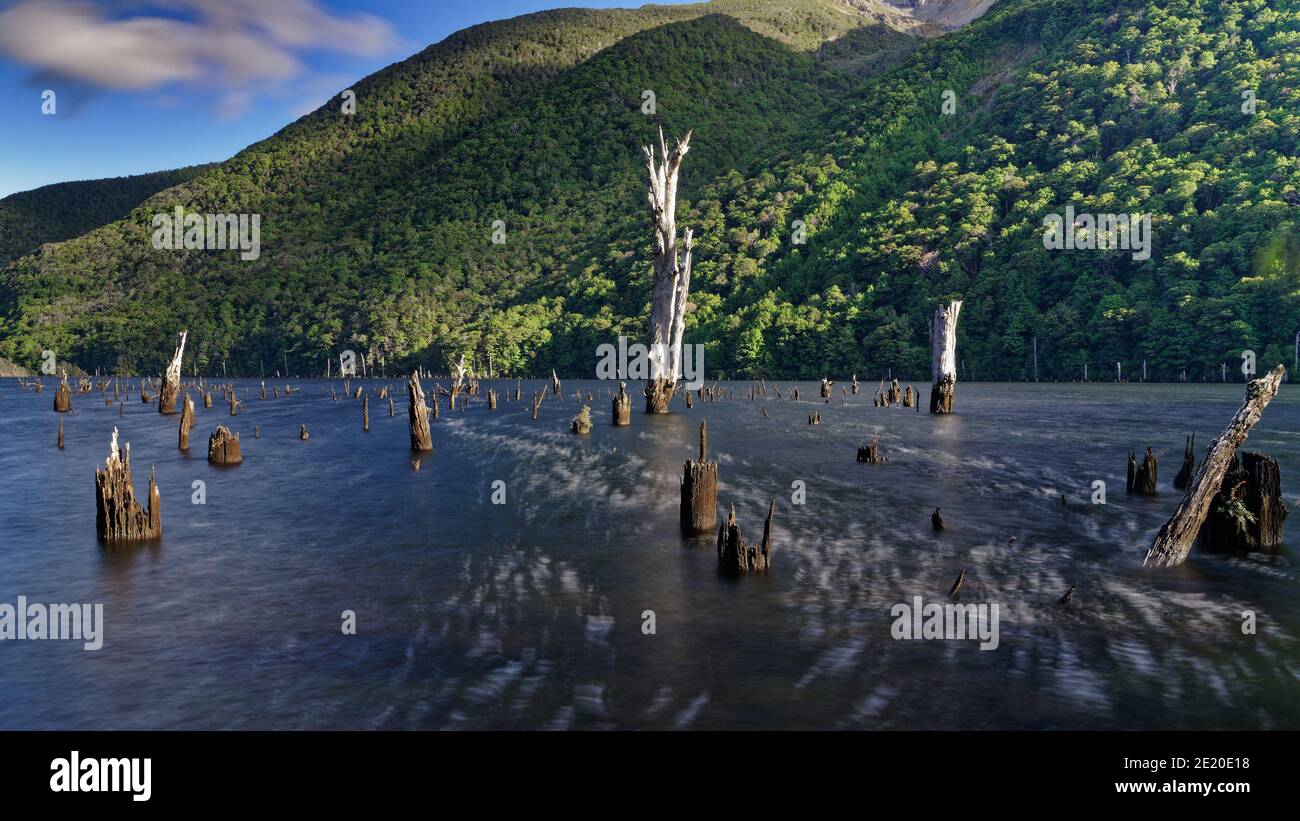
(530, 614)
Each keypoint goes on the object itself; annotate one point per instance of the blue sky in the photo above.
(134, 81)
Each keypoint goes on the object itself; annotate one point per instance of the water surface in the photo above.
(529, 614)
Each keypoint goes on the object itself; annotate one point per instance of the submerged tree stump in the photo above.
(118, 517)
(391, 410)
(936, 521)
(870, 453)
(699, 505)
(1142, 478)
(623, 407)
(223, 447)
(492, 398)
(735, 555)
(60, 434)
(826, 388)
(365, 415)
(303, 435)
(1189, 465)
(895, 396)
(814, 418)
(855, 387)
(1177, 536)
(537, 401)
(555, 384)
(418, 415)
(63, 396)
(581, 423)
(943, 333)
(187, 423)
(909, 398)
(1247, 513)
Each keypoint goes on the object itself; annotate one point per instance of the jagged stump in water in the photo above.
(118, 517)
(1248, 513)
(699, 508)
(737, 556)
(171, 384)
(63, 397)
(623, 407)
(581, 423)
(223, 447)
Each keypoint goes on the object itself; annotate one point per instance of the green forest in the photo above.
(846, 174)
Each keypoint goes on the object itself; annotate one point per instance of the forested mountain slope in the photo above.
(377, 229)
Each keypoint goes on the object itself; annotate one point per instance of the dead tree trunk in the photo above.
(623, 408)
(1189, 465)
(60, 434)
(171, 384)
(672, 275)
(943, 333)
(1248, 513)
(699, 509)
(735, 555)
(856, 386)
(118, 517)
(223, 447)
(418, 412)
(1175, 539)
(187, 422)
(492, 399)
(63, 397)
(555, 384)
(1145, 475)
(365, 415)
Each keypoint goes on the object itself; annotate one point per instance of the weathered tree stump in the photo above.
(581, 423)
(895, 393)
(519, 386)
(207, 399)
(234, 402)
(223, 447)
(391, 410)
(690, 403)
(870, 453)
(735, 555)
(537, 401)
(118, 517)
(794, 394)
(418, 415)
(943, 333)
(60, 434)
(63, 397)
(492, 398)
(936, 521)
(856, 387)
(555, 384)
(622, 407)
(169, 392)
(1177, 536)
(303, 435)
(699, 505)
(826, 388)
(187, 423)
(909, 398)
(1189, 465)
(1248, 513)
(814, 418)
(1142, 478)
(365, 415)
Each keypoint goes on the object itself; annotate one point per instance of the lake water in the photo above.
(529, 614)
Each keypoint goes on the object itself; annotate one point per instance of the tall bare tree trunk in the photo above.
(171, 385)
(1179, 533)
(943, 333)
(418, 413)
(672, 275)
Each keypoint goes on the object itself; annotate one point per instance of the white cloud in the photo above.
(238, 49)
